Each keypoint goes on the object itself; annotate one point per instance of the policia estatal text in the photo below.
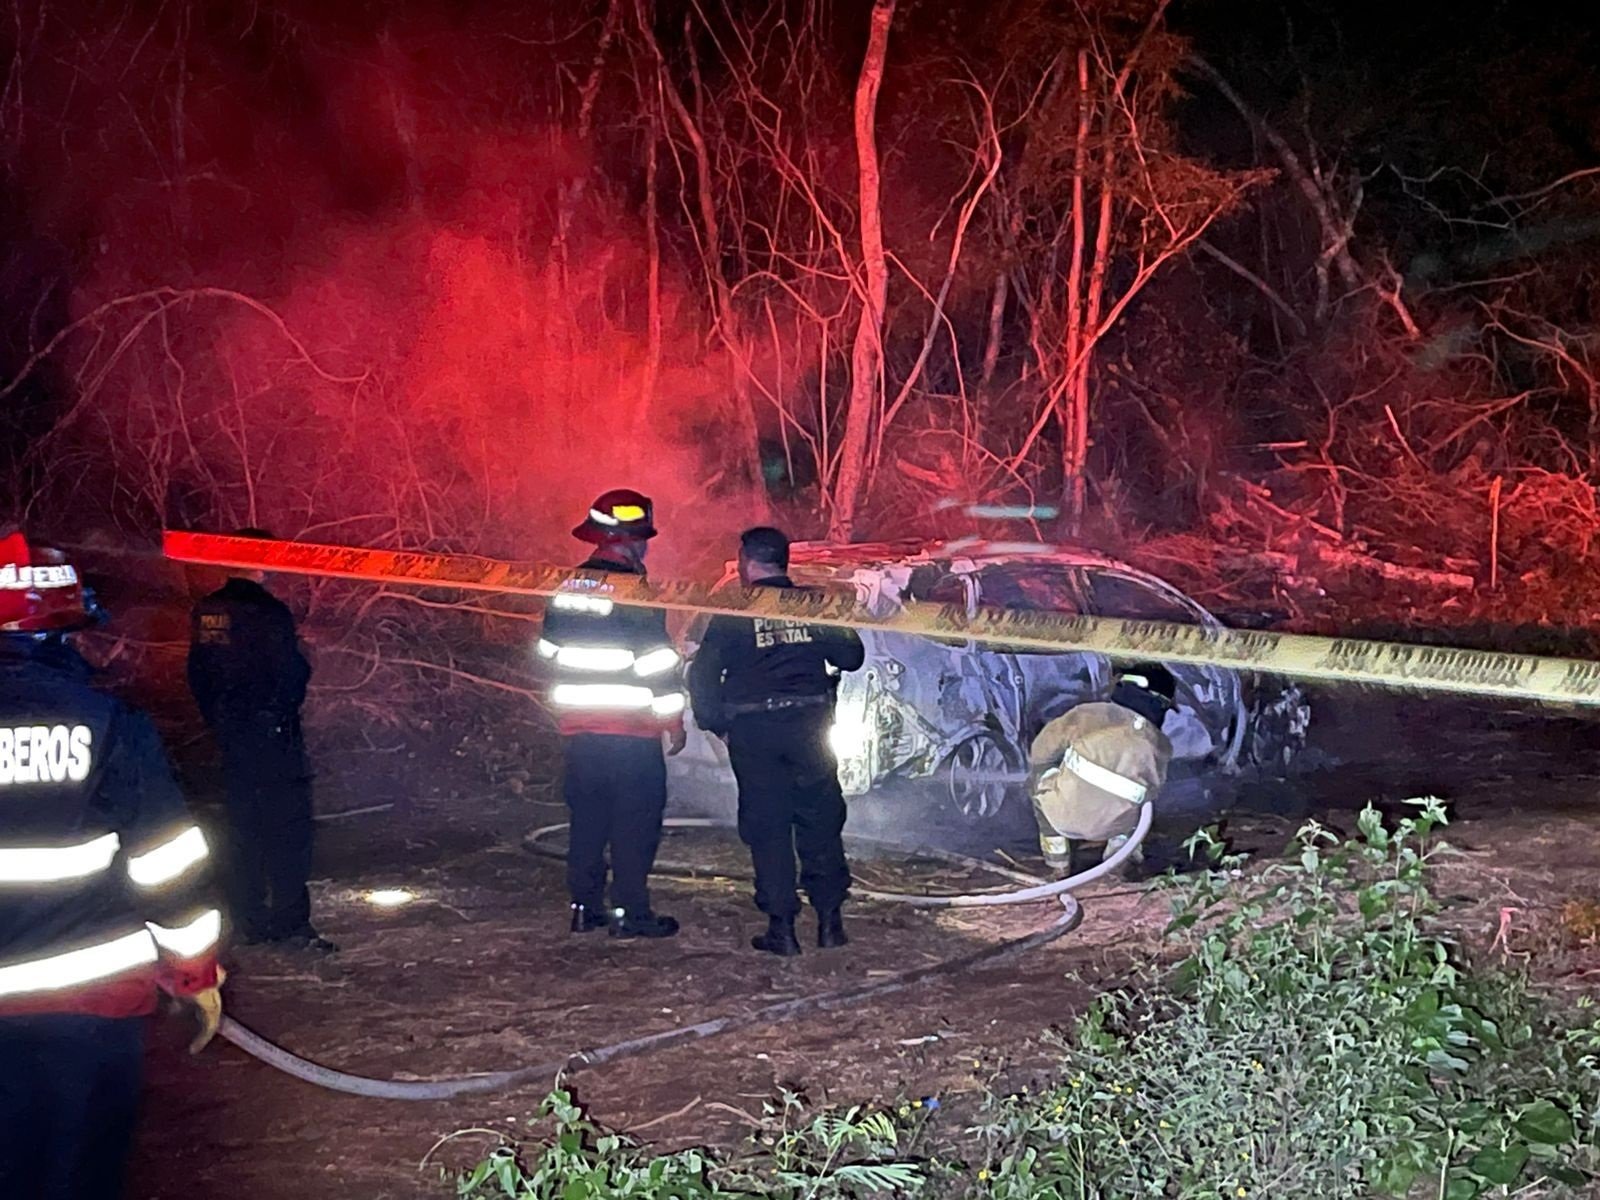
(103, 898)
(767, 686)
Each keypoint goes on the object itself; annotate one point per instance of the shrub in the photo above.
(833, 1156)
(1318, 1038)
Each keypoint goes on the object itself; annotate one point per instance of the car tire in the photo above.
(980, 779)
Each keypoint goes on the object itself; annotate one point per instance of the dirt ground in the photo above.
(480, 974)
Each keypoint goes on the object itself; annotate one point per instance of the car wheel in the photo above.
(979, 776)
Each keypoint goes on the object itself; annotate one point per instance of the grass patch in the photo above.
(1319, 1037)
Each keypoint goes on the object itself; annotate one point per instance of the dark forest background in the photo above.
(1297, 295)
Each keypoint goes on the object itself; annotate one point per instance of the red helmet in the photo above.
(39, 589)
(620, 515)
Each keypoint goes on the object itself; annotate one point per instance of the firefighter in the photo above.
(249, 678)
(767, 686)
(102, 902)
(616, 688)
(1096, 764)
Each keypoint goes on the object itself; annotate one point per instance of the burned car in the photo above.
(963, 715)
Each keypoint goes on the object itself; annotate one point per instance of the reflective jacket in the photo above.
(1099, 763)
(744, 662)
(245, 664)
(102, 869)
(613, 669)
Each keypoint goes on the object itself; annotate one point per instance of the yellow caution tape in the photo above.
(1337, 660)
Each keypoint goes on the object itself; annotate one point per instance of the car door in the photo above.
(1208, 719)
(1038, 685)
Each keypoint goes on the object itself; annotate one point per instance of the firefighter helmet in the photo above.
(39, 589)
(1149, 677)
(620, 515)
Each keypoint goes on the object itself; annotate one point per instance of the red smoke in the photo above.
(469, 288)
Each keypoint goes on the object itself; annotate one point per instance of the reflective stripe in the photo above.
(603, 517)
(594, 658)
(1054, 847)
(624, 696)
(168, 860)
(600, 606)
(78, 966)
(51, 864)
(601, 695)
(1104, 778)
(653, 662)
(1136, 680)
(193, 939)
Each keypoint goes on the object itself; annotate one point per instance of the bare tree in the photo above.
(866, 355)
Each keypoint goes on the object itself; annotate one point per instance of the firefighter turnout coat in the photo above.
(1100, 762)
(101, 866)
(613, 669)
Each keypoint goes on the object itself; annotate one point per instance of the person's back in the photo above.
(102, 904)
(249, 676)
(244, 656)
(615, 692)
(768, 685)
(1132, 755)
(1097, 764)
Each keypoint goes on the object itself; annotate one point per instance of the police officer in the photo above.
(249, 678)
(1095, 765)
(616, 688)
(102, 905)
(768, 686)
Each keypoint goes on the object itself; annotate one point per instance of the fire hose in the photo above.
(495, 1081)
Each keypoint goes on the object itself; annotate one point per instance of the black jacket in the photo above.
(245, 663)
(95, 841)
(613, 669)
(748, 660)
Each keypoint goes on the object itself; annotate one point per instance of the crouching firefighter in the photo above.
(1095, 765)
(767, 686)
(616, 690)
(102, 896)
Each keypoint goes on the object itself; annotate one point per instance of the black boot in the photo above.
(645, 924)
(779, 938)
(587, 920)
(1083, 855)
(830, 929)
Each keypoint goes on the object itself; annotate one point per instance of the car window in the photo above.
(1114, 595)
(1031, 587)
(1028, 587)
(937, 584)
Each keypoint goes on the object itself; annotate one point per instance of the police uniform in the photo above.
(616, 687)
(1096, 765)
(102, 905)
(765, 685)
(249, 678)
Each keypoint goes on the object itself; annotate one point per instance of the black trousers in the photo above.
(268, 857)
(616, 791)
(790, 803)
(69, 1091)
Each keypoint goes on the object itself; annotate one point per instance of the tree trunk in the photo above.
(1074, 387)
(866, 356)
(652, 228)
(747, 435)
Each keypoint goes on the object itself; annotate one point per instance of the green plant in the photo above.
(831, 1156)
(582, 1162)
(1318, 1038)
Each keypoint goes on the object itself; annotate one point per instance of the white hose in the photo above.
(460, 1085)
(1036, 890)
